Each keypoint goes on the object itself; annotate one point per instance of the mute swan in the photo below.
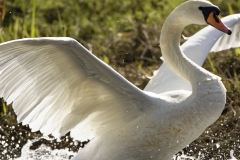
(196, 48)
(56, 86)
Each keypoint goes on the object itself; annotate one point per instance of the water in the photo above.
(199, 157)
(45, 152)
(18, 141)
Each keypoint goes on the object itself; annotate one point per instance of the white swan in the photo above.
(196, 48)
(56, 86)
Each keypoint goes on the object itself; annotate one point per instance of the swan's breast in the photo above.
(211, 95)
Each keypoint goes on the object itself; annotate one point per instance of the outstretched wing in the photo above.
(56, 86)
(196, 48)
(226, 41)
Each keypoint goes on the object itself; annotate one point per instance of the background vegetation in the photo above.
(125, 35)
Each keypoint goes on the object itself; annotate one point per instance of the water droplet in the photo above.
(76, 143)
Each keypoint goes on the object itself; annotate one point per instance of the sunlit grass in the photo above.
(33, 18)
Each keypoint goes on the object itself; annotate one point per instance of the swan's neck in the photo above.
(174, 57)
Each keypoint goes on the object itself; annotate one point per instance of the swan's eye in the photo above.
(200, 8)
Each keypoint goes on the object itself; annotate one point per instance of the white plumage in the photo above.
(60, 84)
(196, 48)
(57, 86)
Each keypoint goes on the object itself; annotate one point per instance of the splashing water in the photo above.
(200, 157)
(44, 152)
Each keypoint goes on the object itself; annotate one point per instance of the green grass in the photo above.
(125, 35)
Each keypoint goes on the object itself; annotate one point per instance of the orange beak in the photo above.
(217, 23)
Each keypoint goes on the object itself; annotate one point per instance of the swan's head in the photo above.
(201, 12)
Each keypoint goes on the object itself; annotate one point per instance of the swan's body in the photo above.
(57, 86)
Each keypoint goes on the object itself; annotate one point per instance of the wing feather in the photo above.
(57, 86)
(226, 42)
